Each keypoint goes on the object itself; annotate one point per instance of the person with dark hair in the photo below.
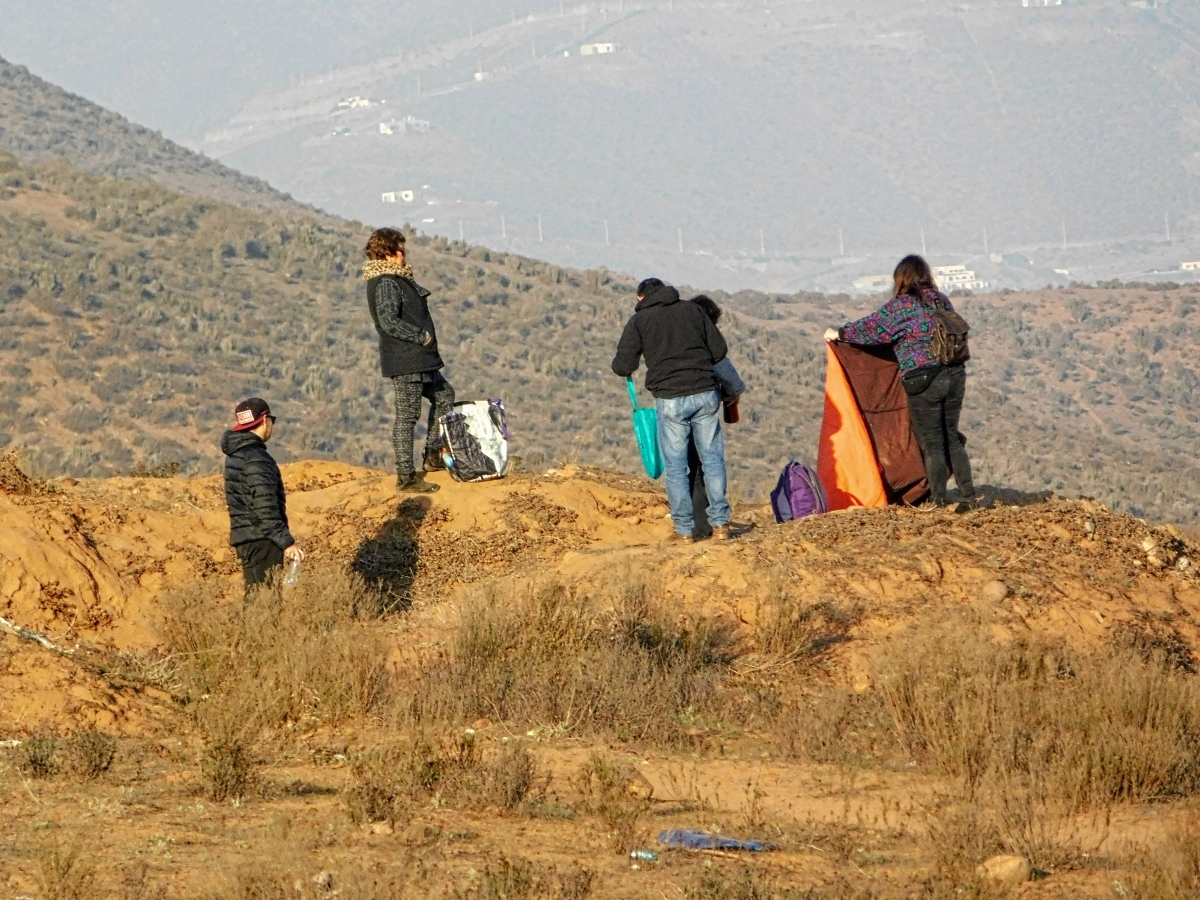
(935, 391)
(680, 344)
(408, 355)
(731, 386)
(258, 523)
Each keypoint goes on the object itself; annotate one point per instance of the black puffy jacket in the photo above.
(254, 492)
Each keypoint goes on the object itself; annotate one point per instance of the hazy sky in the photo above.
(182, 67)
(718, 126)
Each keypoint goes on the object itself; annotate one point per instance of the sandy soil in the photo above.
(84, 564)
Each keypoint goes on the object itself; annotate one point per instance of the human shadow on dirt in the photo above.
(388, 561)
(996, 495)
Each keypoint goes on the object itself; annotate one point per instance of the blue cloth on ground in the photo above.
(702, 840)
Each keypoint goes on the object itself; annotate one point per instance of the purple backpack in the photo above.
(798, 494)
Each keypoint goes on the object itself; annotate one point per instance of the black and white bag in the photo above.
(475, 440)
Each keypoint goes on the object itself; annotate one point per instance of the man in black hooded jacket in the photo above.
(254, 494)
(680, 344)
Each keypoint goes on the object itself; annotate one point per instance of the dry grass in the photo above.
(571, 662)
(836, 725)
(790, 629)
(1170, 872)
(309, 660)
(91, 752)
(437, 771)
(67, 875)
(38, 756)
(296, 880)
(602, 783)
(1084, 731)
(520, 879)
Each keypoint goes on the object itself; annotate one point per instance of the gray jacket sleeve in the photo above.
(387, 306)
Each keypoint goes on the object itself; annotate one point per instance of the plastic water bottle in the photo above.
(291, 572)
(643, 856)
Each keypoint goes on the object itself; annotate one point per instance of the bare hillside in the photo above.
(135, 318)
(40, 121)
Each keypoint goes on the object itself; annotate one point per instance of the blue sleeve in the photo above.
(730, 382)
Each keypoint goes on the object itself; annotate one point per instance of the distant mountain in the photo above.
(40, 121)
(782, 139)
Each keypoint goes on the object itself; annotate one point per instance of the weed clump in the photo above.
(603, 783)
(64, 875)
(1087, 731)
(576, 663)
(520, 879)
(447, 770)
(1172, 872)
(310, 660)
(91, 752)
(38, 757)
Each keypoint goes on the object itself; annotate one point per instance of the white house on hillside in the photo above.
(957, 278)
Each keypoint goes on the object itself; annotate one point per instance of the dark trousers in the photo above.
(699, 495)
(259, 560)
(935, 413)
(408, 409)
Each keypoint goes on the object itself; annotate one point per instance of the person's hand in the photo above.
(831, 334)
(294, 552)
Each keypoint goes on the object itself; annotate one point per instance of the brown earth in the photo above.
(85, 564)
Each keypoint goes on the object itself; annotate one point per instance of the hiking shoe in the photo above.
(737, 529)
(677, 538)
(415, 484)
(965, 506)
(434, 461)
(721, 533)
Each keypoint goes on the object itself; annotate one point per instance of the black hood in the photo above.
(233, 441)
(659, 295)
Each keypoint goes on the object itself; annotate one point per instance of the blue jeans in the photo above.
(699, 416)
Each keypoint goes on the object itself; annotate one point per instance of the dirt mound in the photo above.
(86, 563)
(13, 479)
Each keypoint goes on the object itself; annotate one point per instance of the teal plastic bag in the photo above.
(645, 426)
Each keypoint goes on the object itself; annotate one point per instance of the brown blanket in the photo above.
(874, 377)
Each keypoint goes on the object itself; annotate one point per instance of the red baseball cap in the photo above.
(250, 414)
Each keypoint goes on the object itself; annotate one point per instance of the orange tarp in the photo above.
(846, 460)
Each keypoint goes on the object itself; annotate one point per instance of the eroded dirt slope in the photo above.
(85, 565)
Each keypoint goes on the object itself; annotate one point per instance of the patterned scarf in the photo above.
(373, 268)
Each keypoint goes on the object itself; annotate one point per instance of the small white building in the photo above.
(957, 278)
(1041, 2)
(385, 128)
(484, 76)
(873, 283)
(355, 103)
(592, 49)
(1190, 266)
(393, 196)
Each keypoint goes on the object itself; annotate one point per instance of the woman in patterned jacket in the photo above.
(935, 392)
